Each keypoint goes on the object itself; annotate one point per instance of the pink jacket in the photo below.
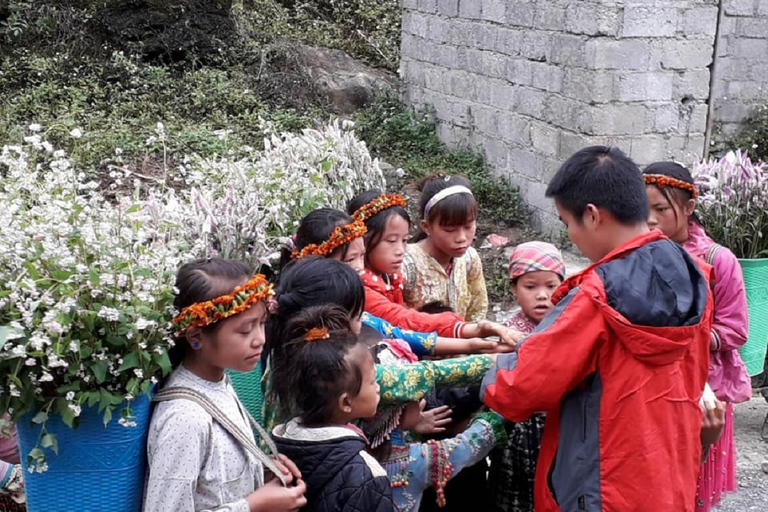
(9, 451)
(728, 375)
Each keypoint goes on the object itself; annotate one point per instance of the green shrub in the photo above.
(753, 136)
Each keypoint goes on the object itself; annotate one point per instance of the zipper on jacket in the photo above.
(582, 503)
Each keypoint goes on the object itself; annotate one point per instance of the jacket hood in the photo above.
(655, 296)
(320, 452)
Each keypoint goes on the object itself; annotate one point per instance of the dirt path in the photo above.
(752, 452)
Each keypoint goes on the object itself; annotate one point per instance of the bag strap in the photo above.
(184, 393)
(712, 254)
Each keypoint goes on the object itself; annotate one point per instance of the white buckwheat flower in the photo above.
(76, 133)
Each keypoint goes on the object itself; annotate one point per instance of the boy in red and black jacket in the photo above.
(620, 363)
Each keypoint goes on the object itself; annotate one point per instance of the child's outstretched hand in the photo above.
(507, 335)
(273, 497)
(434, 420)
(713, 424)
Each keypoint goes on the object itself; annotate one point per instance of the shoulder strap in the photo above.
(712, 254)
(408, 271)
(184, 393)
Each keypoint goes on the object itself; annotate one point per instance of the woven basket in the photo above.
(97, 467)
(756, 282)
(248, 389)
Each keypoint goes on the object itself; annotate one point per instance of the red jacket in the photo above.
(619, 366)
(384, 299)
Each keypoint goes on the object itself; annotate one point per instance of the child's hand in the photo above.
(287, 467)
(507, 335)
(273, 497)
(481, 346)
(713, 424)
(434, 420)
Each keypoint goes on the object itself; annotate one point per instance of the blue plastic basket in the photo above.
(756, 282)
(248, 388)
(97, 468)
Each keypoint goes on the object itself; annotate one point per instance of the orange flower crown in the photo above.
(342, 235)
(662, 181)
(318, 333)
(382, 202)
(202, 314)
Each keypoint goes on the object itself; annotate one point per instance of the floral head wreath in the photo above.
(662, 181)
(202, 314)
(379, 204)
(341, 235)
(316, 334)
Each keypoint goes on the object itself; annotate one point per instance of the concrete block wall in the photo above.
(741, 76)
(532, 81)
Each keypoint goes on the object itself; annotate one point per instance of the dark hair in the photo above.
(605, 177)
(454, 210)
(674, 195)
(378, 223)
(305, 283)
(435, 307)
(315, 228)
(321, 370)
(200, 281)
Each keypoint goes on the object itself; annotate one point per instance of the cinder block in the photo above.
(649, 21)
(663, 119)
(622, 54)
(502, 94)
(508, 41)
(699, 21)
(494, 65)
(686, 54)
(461, 33)
(693, 83)
(416, 24)
(739, 7)
(514, 128)
(746, 90)
(530, 102)
(562, 112)
(448, 7)
(644, 87)
(696, 119)
(589, 86)
(548, 16)
(618, 119)
(594, 19)
(484, 120)
(481, 91)
(536, 45)
(429, 6)
(520, 71)
(569, 50)
(647, 149)
(547, 77)
(753, 49)
(470, 10)
(752, 27)
(545, 139)
(729, 111)
(496, 151)
(524, 161)
(410, 4)
(493, 10)
(519, 14)
(486, 36)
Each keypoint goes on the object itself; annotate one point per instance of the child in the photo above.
(620, 362)
(333, 382)
(334, 234)
(536, 269)
(672, 197)
(201, 449)
(443, 266)
(388, 225)
(317, 281)
(11, 475)
(414, 467)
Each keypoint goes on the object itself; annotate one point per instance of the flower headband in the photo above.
(456, 189)
(662, 181)
(316, 334)
(202, 314)
(382, 202)
(341, 235)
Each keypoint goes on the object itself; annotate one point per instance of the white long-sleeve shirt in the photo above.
(194, 463)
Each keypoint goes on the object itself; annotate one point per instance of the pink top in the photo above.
(9, 450)
(728, 375)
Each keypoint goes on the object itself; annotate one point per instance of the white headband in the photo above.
(456, 189)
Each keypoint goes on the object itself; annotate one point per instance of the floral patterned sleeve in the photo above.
(422, 343)
(478, 305)
(406, 383)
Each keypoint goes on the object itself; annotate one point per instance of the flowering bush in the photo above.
(733, 203)
(86, 281)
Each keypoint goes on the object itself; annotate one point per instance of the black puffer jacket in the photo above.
(340, 475)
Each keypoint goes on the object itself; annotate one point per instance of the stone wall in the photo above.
(531, 81)
(741, 75)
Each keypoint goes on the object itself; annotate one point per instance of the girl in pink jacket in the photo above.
(672, 196)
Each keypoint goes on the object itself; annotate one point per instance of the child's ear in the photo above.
(345, 403)
(424, 225)
(690, 207)
(194, 337)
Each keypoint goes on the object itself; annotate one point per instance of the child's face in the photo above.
(355, 256)
(238, 341)
(387, 256)
(365, 403)
(667, 216)
(533, 292)
(453, 241)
